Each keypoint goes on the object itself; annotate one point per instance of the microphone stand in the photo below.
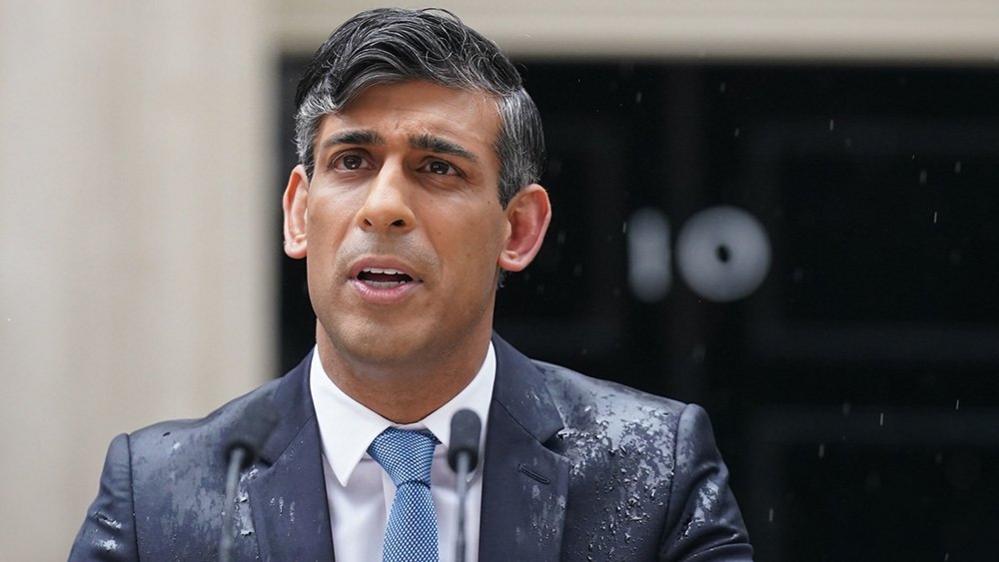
(462, 489)
(241, 448)
(236, 457)
(462, 457)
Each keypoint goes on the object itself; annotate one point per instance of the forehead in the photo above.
(414, 108)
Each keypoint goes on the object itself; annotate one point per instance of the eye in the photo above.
(349, 162)
(441, 168)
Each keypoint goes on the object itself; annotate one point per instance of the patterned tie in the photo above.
(411, 532)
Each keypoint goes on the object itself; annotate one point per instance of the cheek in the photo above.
(334, 212)
(327, 228)
(478, 245)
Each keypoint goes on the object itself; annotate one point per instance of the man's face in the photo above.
(402, 221)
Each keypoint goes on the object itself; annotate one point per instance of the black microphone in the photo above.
(241, 448)
(463, 456)
(251, 432)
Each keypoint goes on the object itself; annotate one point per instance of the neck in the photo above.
(406, 391)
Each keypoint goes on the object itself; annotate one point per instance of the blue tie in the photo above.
(411, 532)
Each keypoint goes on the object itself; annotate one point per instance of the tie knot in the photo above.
(406, 455)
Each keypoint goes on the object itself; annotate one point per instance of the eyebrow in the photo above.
(359, 136)
(439, 145)
(426, 141)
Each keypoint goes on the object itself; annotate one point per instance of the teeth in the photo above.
(383, 271)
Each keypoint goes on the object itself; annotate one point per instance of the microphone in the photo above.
(241, 448)
(251, 432)
(462, 457)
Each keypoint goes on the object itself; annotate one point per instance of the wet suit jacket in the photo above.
(574, 469)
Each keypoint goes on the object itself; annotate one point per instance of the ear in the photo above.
(528, 215)
(295, 205)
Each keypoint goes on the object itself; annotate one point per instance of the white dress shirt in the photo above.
(360, 492)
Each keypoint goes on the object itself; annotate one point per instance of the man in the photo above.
(416, 190)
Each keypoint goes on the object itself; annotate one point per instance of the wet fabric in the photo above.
(575, 468)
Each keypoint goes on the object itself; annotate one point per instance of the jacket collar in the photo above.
(287, 487)
(525, 484)
(521, 391)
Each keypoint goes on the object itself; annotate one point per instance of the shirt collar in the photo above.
(347, 427)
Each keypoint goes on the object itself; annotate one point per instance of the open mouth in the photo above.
(379, 278)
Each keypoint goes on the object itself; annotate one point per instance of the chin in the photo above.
(381, 345)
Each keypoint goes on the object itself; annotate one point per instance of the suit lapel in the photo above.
(525, 485)
(287, 487)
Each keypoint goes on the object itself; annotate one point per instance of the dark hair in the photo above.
(394, 45)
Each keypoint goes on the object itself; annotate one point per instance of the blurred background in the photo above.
(783, 211)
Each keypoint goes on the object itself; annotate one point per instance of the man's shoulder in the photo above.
(645, 476)
(570, 386)
(166, 481)
(166, 442)
(612, 422)
(585, 401)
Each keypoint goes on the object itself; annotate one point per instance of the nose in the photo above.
(386, 208)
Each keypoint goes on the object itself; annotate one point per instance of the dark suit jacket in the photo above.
(575, 469)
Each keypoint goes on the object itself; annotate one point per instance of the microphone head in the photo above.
(466, 427)
(252, 431)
